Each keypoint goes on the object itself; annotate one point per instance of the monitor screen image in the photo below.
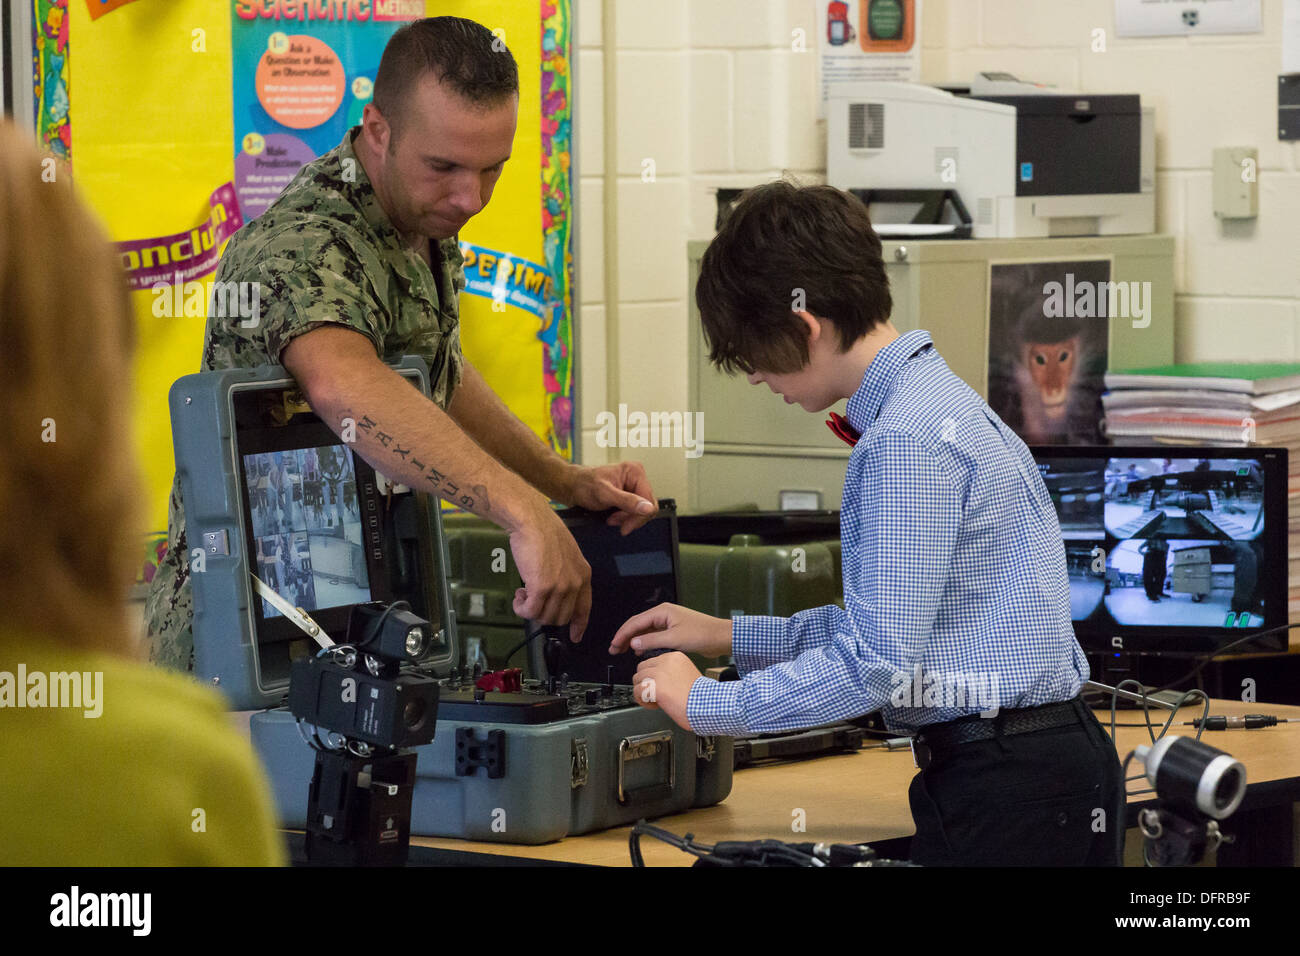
(1171, 546)
(307, 527)
(1184, 498)
(1183, 582)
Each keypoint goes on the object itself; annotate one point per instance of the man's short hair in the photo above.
(787, 248)
(465, 56)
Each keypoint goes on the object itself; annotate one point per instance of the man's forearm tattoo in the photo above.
(471, 499)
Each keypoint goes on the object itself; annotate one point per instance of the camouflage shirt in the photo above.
(324, 252)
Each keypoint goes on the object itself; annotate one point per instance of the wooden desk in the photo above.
(862, 797)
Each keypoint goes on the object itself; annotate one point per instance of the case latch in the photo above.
(704, 748)
(578, 763)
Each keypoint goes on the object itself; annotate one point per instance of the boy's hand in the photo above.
(664, 682)
(677, 628)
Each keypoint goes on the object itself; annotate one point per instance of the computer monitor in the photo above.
(629, 574)
(1172, 549)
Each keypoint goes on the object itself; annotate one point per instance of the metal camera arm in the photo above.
(359, 802)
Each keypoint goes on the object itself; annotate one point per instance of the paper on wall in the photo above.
(1291, 36)
(1155, 18)
(867, 40)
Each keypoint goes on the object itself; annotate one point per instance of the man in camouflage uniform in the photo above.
(356, 263)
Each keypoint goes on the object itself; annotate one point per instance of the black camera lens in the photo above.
(414, 714)
(1228, 788)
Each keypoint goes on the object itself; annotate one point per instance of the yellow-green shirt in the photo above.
(160, 778)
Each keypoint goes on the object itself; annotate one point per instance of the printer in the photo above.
(1026, 161)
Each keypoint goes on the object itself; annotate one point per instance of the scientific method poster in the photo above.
(299, 85)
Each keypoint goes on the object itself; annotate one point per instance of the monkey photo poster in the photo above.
(1048, 338)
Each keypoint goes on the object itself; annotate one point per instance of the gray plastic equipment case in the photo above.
(560, 779)
(532, 767)
(207, 463)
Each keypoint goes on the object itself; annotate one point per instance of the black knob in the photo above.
(480, 694)
(608, 689)
(593, 695)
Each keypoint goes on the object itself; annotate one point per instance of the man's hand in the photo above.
(675, 627)
(345, 381)
(623, 486)
(665, 682)
(557, 579)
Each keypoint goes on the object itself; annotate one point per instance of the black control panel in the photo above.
(536, 702)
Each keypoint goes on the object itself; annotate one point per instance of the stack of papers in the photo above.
(1219, 403)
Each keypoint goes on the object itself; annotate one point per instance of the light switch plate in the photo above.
(1236, 182)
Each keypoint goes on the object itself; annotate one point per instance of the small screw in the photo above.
(216, 681)
(188, 400)
(900, 253)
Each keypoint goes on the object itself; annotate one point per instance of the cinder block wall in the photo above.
(713, 92)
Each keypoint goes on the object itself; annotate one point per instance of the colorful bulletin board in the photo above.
(298, 87)
(181, 138)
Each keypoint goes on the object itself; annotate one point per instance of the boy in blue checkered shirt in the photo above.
(956, 620)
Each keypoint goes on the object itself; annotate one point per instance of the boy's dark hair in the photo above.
(466, 56)
(788, 248)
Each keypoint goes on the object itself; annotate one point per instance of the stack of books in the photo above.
(1219, 403)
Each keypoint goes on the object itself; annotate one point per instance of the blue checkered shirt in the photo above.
(955, 588)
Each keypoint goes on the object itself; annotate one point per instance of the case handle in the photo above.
(640, 747)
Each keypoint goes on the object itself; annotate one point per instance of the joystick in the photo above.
(552, 652)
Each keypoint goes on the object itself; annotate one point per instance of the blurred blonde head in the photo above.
(68, 506)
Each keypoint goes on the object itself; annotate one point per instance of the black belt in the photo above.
(936, 739)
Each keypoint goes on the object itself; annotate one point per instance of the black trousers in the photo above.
(1045, 798)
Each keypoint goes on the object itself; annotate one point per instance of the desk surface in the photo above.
(862, 797)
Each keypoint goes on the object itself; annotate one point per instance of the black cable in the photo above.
(373, 630)
(1146, 711)
(741, 853)
(687, 843)
(1114, 703)
(524, 643)
(1211, 655)
(1178, 705)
